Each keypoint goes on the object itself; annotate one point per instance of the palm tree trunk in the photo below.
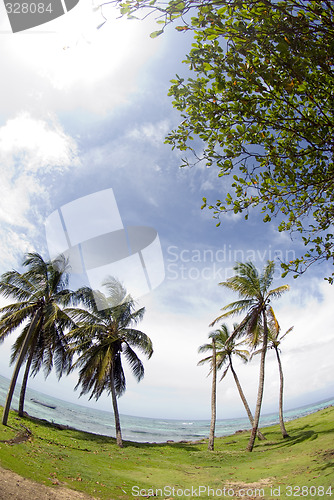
(213, 398)
(24, 383)
(18, 365)
(281, 421)
(116, 413)
(251, 442)
(244, 400)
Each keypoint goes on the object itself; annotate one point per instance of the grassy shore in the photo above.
(94, 464)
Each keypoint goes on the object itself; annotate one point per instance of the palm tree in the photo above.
(226, 348)
(41, 296)
(211, 444)
(274, 340)
(255, 294)
(105, 333)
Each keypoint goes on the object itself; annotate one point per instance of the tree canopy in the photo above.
(259, 109)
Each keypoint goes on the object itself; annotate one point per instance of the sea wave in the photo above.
(137, 428)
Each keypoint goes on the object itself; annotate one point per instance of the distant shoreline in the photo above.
(168, 441)
(142, 429)
(268, 413)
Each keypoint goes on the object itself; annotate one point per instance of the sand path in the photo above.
(13, 486)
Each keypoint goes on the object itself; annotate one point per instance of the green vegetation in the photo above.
(96, 465)
(103, 337)
(254, 298)
(275, 337)
(41, 297)
(225, 349)
(258, 108)
(99, 333)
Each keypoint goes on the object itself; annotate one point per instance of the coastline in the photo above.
(63, 460)
(140, 429)
(58, 426)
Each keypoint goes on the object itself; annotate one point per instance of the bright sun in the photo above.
(75, 51)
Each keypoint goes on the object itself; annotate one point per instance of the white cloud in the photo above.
(96, 73)
(14, 244)
(32, 150)
(177, 318)
(35, 145)
(207, 186)
(154, 133)
(15, 197)
(76, 65)
(182, 390)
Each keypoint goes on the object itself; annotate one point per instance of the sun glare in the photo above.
(77, 52)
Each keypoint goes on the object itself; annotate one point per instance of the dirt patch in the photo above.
(21, 437)
(328, 454)
(15, 487)
(251, 491)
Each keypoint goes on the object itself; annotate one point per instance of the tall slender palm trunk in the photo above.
(281, 419)
(119, 440)
(26, 375)
(244, 400)
(18, 365)
(213, 398)
(24, 383)
(251, 442)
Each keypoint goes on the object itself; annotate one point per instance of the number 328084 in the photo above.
(28, 8)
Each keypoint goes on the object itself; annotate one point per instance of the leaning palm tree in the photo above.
(41, 296)
(104, 334)
(255, 294)
(225, 349)
(275, 338)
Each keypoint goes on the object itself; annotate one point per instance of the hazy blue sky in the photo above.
(83, 110)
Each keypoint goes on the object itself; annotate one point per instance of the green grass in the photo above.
(94, 463)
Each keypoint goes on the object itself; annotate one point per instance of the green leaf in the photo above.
(156, 33)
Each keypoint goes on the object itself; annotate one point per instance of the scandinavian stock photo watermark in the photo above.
(90, 234)
(217, 264)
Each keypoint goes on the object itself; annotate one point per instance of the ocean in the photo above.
(137, 429)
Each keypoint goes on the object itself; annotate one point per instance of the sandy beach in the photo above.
(15, 487)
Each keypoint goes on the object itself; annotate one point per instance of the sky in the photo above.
(84, 110)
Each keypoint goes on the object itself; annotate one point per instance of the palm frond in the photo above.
(286, 333)
(221, 333)
(224, 374)
(138, 339)
(17, 346)
(42, 287)
(94, 375)
(203, 361)
(119, 377)
(86, 297)
(225, 346)
(82, 316)
(277, 292)
(255, 353)
(17, 286)
(242, 354)
(13, 308)
(245, 281)
(266, 277)
(205, 348)
(12, 321)
(117, 293)
(234, 309)
(134, 362)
